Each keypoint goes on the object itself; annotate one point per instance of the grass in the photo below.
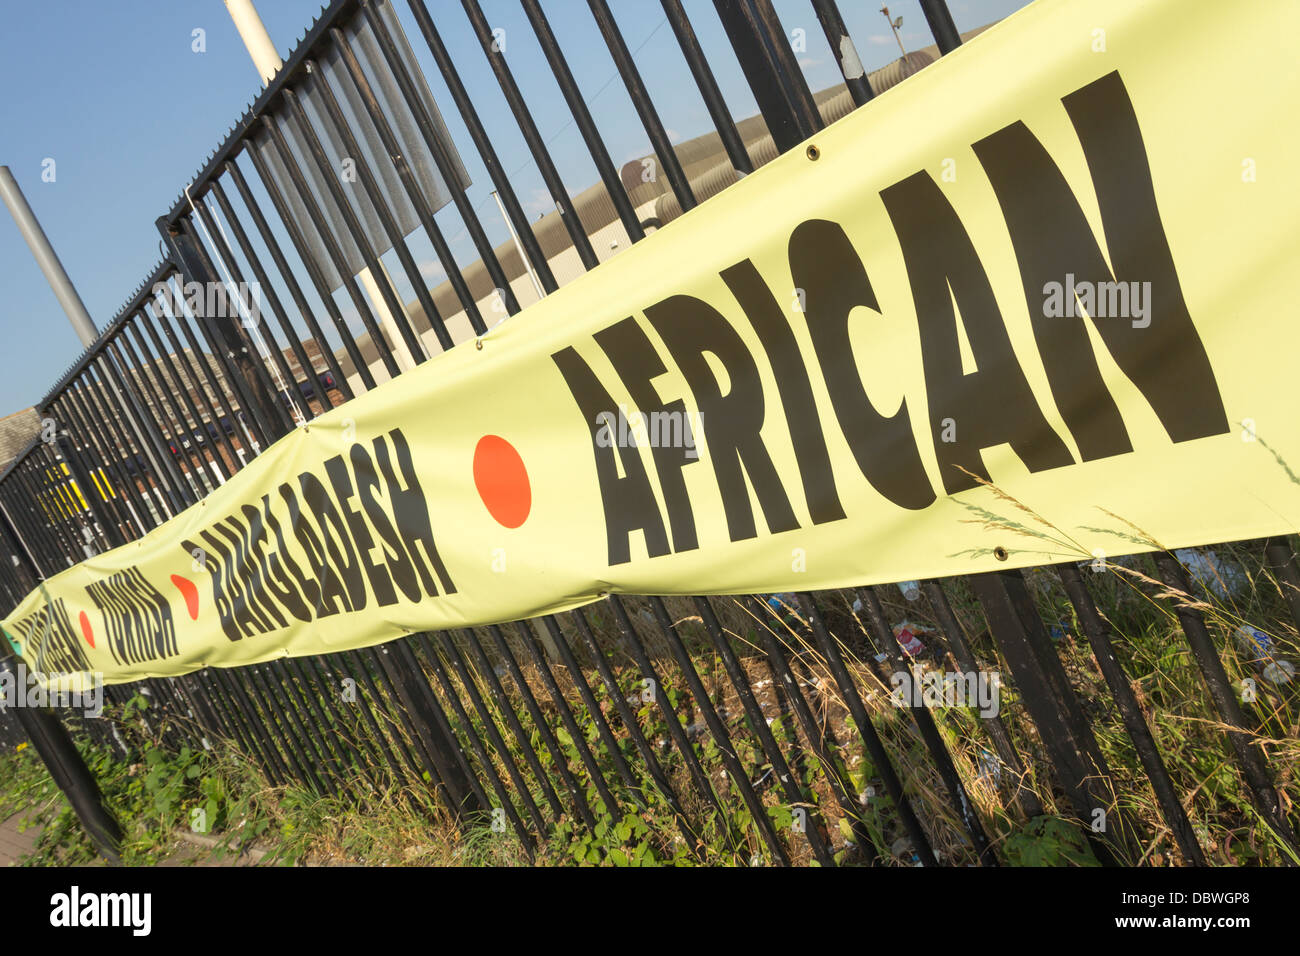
(691, 811)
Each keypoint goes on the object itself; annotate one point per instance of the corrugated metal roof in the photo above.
(705, 164)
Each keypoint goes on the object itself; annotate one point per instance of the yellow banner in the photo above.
(1034, 304)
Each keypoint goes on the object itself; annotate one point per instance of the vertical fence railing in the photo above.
(747, 724)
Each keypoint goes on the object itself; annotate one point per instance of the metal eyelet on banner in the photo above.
(478, 340)
(813, 152)
(1000, 553)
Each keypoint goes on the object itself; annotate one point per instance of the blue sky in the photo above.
(115, 94)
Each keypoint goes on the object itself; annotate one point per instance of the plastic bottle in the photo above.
(1261, 650)
(1213, 574)
(784, 607)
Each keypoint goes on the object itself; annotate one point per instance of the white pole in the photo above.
(256, 40)
(388, 324)
(258, 43)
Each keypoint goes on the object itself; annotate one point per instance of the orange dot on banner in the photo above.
(190, 593)
(86, 632)
(502, 481)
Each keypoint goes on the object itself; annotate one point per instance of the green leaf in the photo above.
(781, 816)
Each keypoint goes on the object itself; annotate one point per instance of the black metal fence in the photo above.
(754, 729)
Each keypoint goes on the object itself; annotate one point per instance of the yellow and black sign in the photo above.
(64, 498)
(1032, 305)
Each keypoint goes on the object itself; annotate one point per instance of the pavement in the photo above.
(15, 844)
(192, 849)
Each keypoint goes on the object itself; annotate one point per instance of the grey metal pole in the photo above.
(46, 258)
(67, 295)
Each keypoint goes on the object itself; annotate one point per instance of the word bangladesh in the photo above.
(353, 533)
(969, 411)
(361, 533)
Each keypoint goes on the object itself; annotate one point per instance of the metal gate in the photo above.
(774, 728)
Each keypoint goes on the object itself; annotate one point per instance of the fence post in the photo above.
(1080, 767)
(117, 382)
(781, 108)
(235, 344)
(1250, 759)
(959, 646)
(57, 751)
(1279, 557)
(430, 723)
(939, 18)
(879, 633)
(51, 740)
(1096, 630)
